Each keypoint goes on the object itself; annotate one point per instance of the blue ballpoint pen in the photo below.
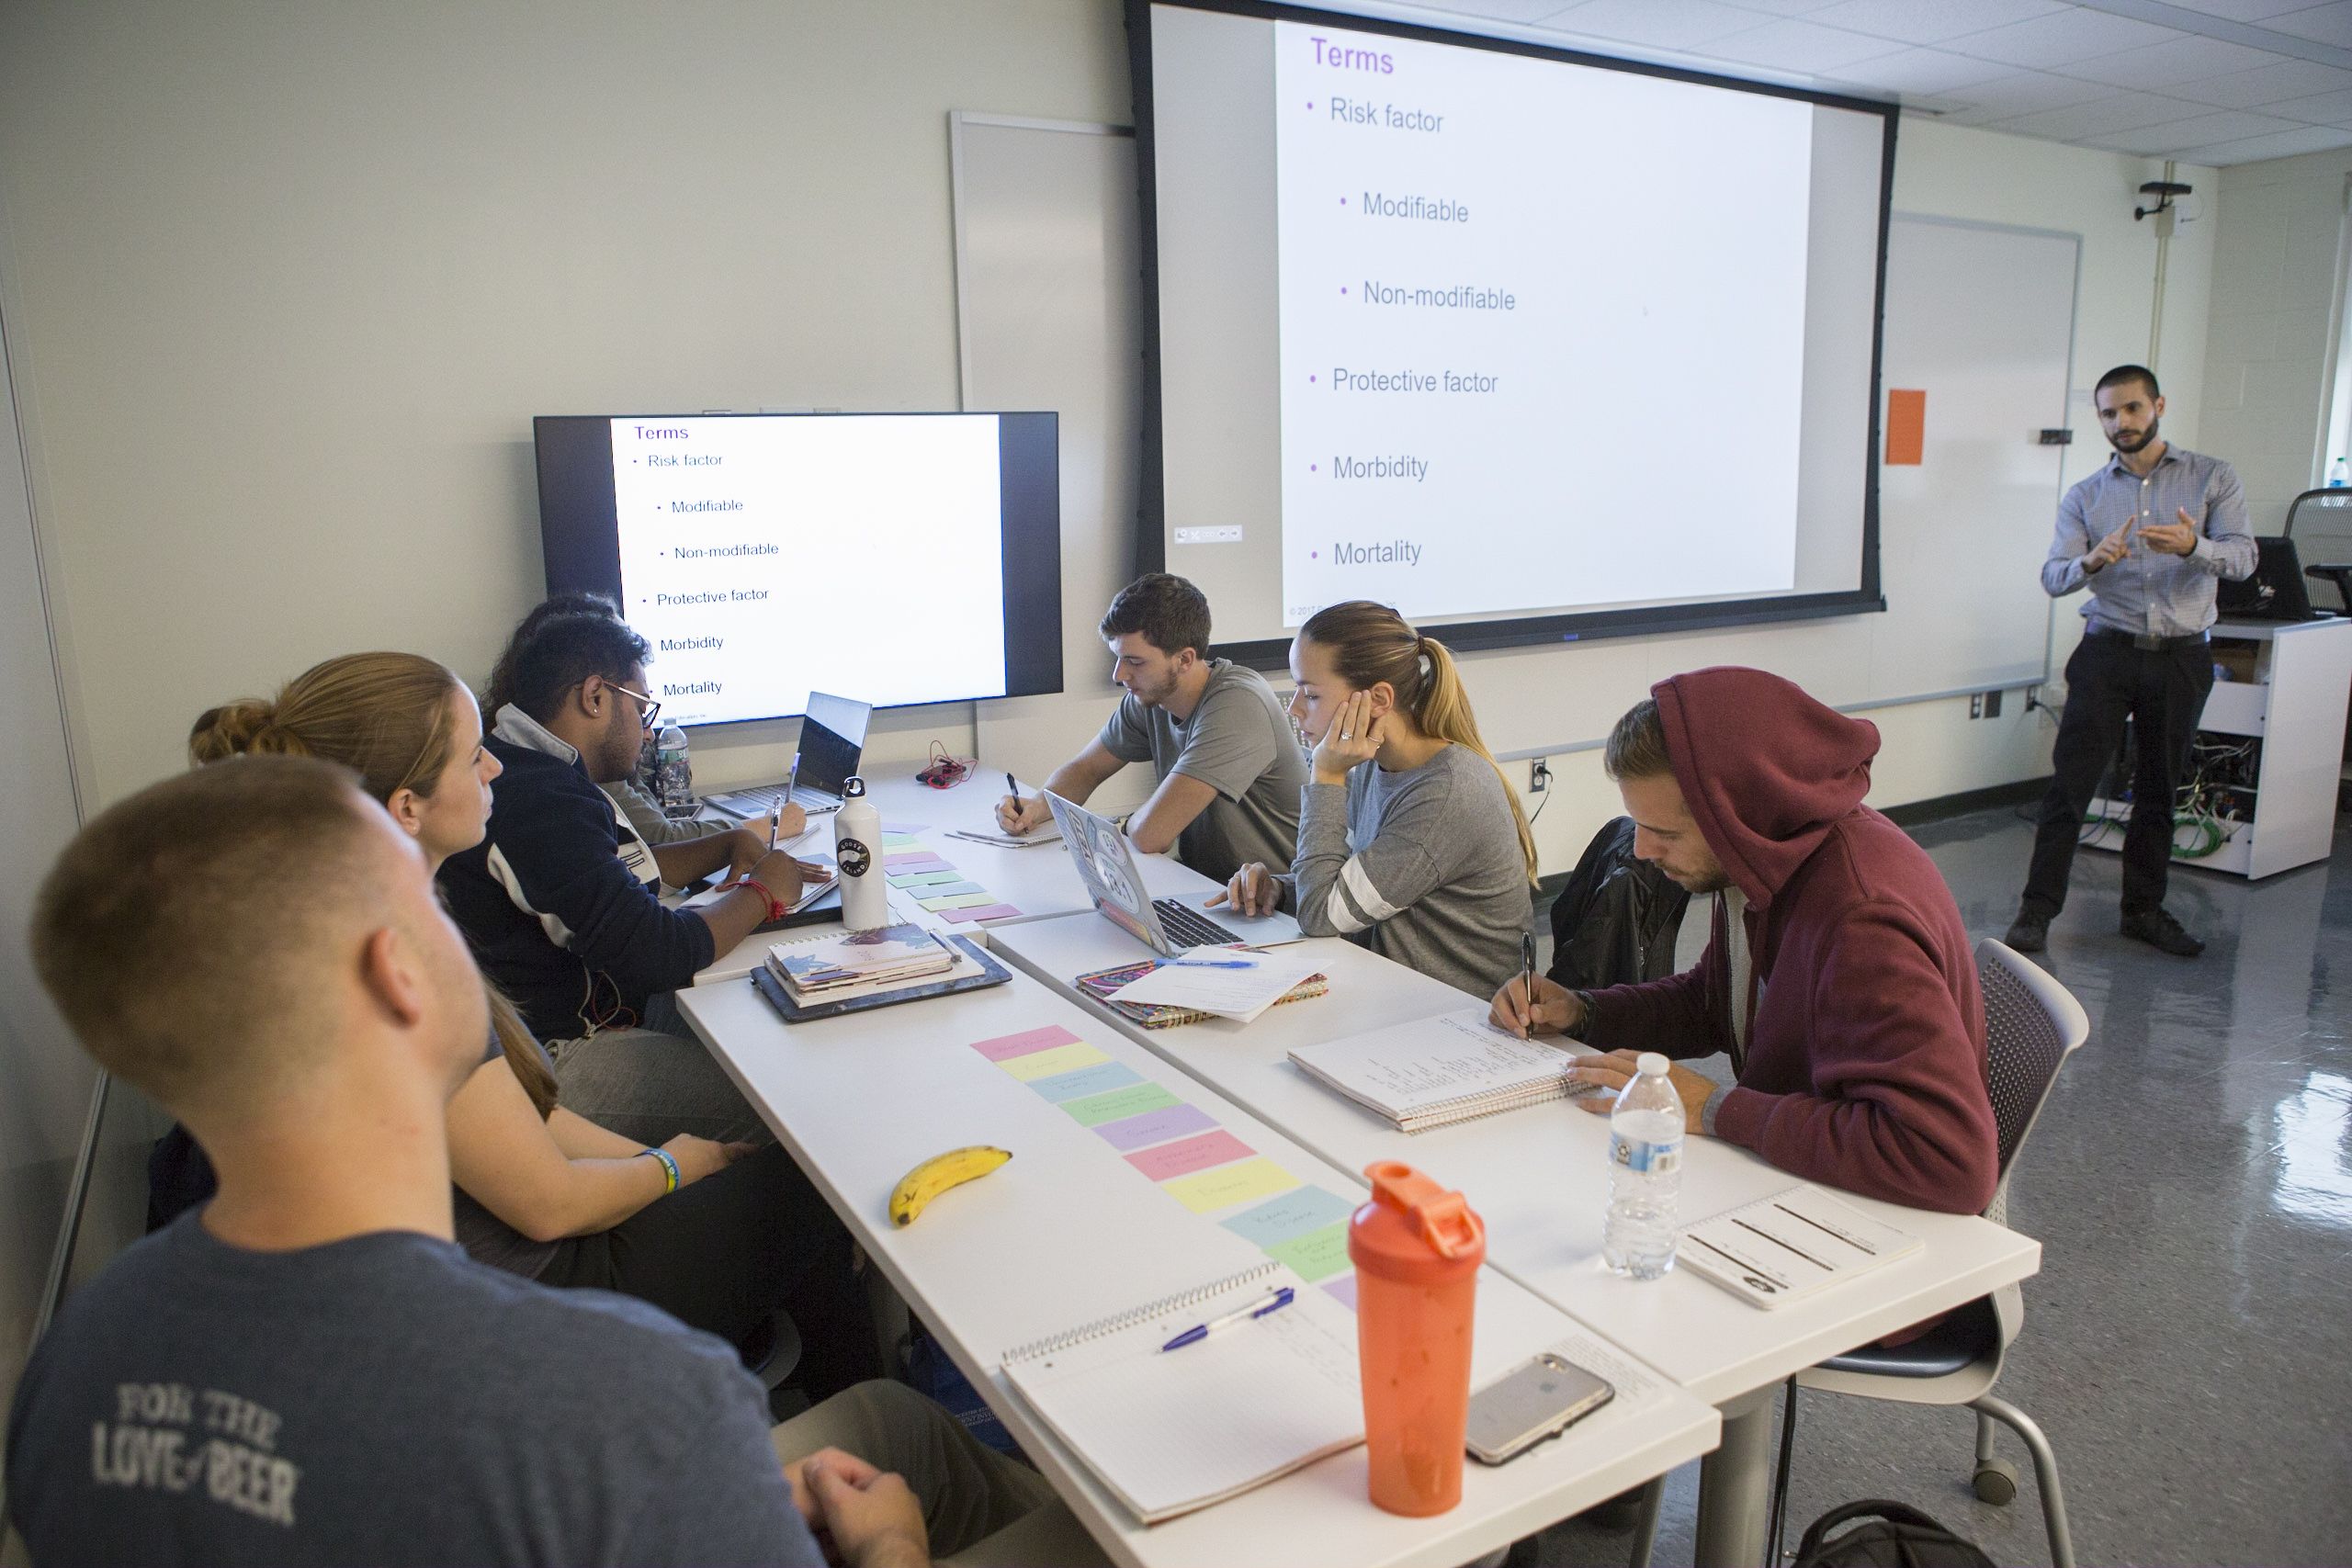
(1210, 963)
(1275, 1303)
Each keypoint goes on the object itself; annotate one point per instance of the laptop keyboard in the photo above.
(1187, 926)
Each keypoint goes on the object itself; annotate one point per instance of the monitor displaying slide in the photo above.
(1527, 344)
(895, 558)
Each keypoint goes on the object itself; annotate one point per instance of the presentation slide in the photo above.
(1494, 335)
(893, 559)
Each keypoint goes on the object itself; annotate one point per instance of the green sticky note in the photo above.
(1317, 1255)
(1132, 1101)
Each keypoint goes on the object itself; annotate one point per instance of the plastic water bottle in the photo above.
(2335, 476)
(673, 770)
(1644, 1173)
(857, 856)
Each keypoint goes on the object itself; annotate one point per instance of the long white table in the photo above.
(1068, 1232)
(1538, 1176)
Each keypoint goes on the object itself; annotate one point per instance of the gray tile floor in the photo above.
(2187, 1345)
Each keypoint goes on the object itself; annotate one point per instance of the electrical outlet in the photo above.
(1992, 704)
(1976, 704)
(2032, 698)
(1539, 777)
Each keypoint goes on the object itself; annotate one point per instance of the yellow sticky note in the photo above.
(1229, 1184)
(1046, 1064)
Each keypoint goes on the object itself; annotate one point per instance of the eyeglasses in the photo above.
(648, 708)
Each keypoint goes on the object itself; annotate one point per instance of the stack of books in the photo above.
(855, 962)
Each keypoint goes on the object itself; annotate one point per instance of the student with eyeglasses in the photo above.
(560, 900)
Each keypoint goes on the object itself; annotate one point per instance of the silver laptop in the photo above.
(1106, 864)
(832, 741)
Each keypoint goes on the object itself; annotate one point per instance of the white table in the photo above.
(1538, 1176)
(1039, 881)
(1067, 1233)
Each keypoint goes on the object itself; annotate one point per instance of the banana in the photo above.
(936, 1174)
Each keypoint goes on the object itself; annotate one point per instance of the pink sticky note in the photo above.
(1171, 1160)
(1025, 1043)
(985, 912)
(1344, 1288)
(911, 857)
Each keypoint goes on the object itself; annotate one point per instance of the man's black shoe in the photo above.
(2028, 933)
(2164, 933)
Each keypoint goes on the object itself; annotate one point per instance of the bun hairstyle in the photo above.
(386, 717)
(1370, 643)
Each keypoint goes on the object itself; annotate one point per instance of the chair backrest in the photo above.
(2032, 1025)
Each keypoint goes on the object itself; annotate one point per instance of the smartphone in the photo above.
(1539, 1399)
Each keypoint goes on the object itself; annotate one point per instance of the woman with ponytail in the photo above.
(718, 1235)
(1410, 842)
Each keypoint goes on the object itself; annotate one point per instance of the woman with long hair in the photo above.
(718, 1235)
(1410, 842)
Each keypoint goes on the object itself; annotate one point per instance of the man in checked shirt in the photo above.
(2149, 534)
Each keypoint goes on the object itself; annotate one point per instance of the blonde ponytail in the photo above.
(1370, 643)
(247, 727)
(384, 715)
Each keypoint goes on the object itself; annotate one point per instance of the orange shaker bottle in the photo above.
(1416, 1248)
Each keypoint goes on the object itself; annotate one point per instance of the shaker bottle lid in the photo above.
(1415, 1225)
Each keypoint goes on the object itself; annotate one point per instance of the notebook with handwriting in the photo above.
(1170, 1431)
(1436, 1071)
(1790, 1246)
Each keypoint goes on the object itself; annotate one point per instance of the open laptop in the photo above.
(1106, 864)
(832, 741)
(2274, 592)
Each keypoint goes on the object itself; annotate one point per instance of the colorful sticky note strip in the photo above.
(913, 860)
(983, 912)
(1229, 1184)
(1023, 1043)
(1133, 1100)
(948, 889)
(946, 877)
(1046, 1064)
(1292, 1215)
(1171, 1160)
(1343, 1289)
(1100, 1078)
(1157, 1127)
(1317, 1255)
(930, 900)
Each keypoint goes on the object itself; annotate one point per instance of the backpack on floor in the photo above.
(1898, 1536)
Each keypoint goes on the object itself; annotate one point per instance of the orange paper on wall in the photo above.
(1906, 425)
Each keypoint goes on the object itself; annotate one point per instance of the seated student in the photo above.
(543, 1191)
(561, 899)
(1837, 976)
(1424, 854)
(644, 813)
(1228, 766)
(307, 1370)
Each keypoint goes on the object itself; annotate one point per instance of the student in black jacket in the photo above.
(560, 900)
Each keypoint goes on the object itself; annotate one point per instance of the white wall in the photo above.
(292, 282)
(2274, 298)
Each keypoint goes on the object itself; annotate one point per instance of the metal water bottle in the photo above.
(857, 849)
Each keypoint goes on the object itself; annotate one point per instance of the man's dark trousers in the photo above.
(2162, 689)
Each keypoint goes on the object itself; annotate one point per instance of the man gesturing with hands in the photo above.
(2145, 655)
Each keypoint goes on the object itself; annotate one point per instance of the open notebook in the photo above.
(1436, 1071)
(1170, 1431)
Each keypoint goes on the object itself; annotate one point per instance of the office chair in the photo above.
(2333, 507)
(2032, 1025)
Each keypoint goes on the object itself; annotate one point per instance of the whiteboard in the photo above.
(1978, 316)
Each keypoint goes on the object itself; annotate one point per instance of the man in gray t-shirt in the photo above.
(1229, 763)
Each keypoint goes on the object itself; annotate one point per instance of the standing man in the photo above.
(1229, 767)
(2149, 534)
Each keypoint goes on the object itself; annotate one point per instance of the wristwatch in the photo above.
(1584, 1014)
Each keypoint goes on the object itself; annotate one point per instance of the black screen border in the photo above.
(1530, 630)
(580, 528)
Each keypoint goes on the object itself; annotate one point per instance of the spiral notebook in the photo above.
(1436, 1071)
(1170, 1431)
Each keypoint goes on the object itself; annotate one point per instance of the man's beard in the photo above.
(2138, 444)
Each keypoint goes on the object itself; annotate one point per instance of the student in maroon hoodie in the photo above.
(1837, 975)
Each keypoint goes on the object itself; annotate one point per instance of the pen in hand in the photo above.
(1527, 985)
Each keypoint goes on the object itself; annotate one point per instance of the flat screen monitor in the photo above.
(894, 558)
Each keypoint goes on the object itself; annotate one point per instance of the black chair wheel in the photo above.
(1995, 1482)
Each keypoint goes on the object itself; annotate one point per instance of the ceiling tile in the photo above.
(2320, 24)
(1657, 24)
(2321, 108)
(1800, 46)
(1794, 7)
(2125, 111)
(2278, 144)
(1520, 11)
(2049, 42)
(2242, 10)
(2169, 139)
(2023, 92)
(1929, 21)
(2270, 84)
(2179, 60)
(1926, 70)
